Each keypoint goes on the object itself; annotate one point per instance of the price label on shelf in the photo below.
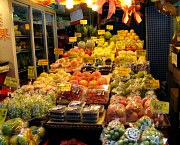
(140, 53)
(12, 82)
(94, 38)
(109, 27)
(78, 34)
(64, 86)
(123, 71)
(100, 41)
(3, 114)
(120, 46)
(101, 32)
(178, 18)
(59, 51)
(83, 22)
(72, 39)
(159, 107)
(42, 62)
(31, 70)
(27, 27)
(152, 84)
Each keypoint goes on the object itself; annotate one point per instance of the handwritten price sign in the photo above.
(100, 41)
(94, 38)
(123, 71)
(109, 27)
(72, 39)
(12, 82)
(42, 62)
(31, 70)
(64, 86)
(3, 114)
(83, 22)
(101, 32)
(140, 53)
(59, 51)
(78, 35)
(152, 84)
(159, 107)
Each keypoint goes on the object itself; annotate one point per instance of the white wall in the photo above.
(7, 47)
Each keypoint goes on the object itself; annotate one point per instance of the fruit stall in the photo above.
(100, 91)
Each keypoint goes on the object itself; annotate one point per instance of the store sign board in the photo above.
(140, 53)
(12, 82)
(78, 34)
(101, 32)
(42, 62)
(109, 27)
(72, 39)
(159, 107)
(123, 71)
(3, 114)
(83, 22)
(152, 84)
(31, 70)
(64, 87)
(59, 51)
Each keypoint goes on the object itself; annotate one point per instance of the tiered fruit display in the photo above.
(15, 131)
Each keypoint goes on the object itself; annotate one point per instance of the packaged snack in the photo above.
(112, 132)
(152, 136)
(116, 111)
(131, 135)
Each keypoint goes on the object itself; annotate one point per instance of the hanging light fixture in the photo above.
(69, 4)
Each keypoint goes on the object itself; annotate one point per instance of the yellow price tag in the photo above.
(78, 34)
(72, 39)
(120, 46)
(94, 38)
(159, 107)
(152, 84)
(3, 114)
(140, 53)
(101, 32)
(178, 18)
(100, 41)
(109, 27)
(59, 51)
(12, 82)
(31, 70)
(42, 62)
(64, 86)
(27, 27)
(123, 71)
(83, 22)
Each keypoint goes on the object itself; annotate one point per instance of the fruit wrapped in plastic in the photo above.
(112, 132)
(152, 136)
(26, 108)
(116, 111)
(131, 136)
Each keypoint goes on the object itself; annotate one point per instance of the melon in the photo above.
(81, 44)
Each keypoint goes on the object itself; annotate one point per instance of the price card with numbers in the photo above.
(42, 62)
(109, 27)
(94, 38)
(31, 70)
(64, 87)
(83, 22)
(100, 41)
(123, 71)
(3, 114)
(159, 107)
(152, 84)
(12, 82)
(78, 34)
(120, 46)
(101, 32)
(27, 27)
(59, 51)
(140, 53)
(72, 39)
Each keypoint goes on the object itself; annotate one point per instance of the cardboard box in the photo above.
(174, 93)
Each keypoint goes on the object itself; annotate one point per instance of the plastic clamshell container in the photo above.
(58, 110)
(76, 104)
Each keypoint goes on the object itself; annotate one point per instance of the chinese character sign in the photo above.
(4, 35)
